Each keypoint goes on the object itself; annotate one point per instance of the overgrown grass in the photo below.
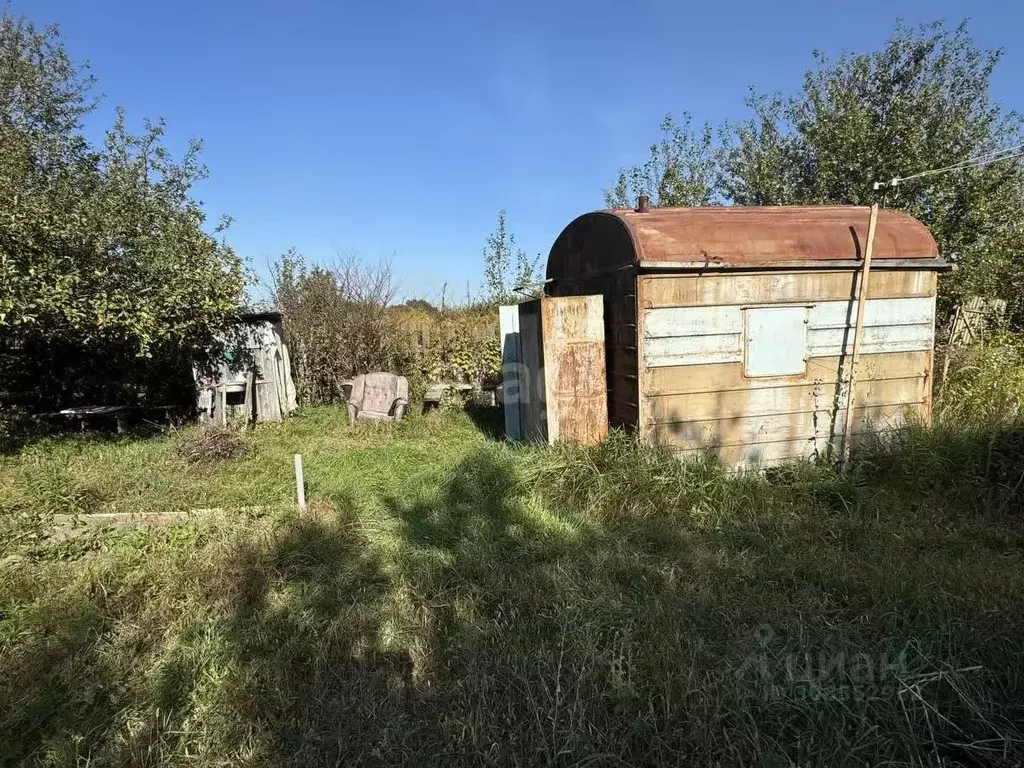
(452, 600)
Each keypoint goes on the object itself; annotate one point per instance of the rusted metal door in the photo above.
(557, 381)
(574, 369)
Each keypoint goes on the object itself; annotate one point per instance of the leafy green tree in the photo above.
(682, 169)
(506, 265)
(98, 244)
(921, 102)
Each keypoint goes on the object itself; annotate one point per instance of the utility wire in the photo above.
(1007, 153)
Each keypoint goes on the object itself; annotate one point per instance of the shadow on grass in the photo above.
(489, 420)
(621, 622)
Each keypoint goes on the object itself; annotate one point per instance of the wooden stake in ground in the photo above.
(858, 334)
(300, 482)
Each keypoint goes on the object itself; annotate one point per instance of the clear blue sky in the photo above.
(402, 127)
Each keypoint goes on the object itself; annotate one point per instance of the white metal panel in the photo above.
(692, 321)
(693, 350)
(699, 335)
(775, 341)
(839, 314)
(508, 323)
(883, 338)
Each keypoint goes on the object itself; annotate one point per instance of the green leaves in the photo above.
(506, 265)
(920, 102)
(98, 242)
(682, 169)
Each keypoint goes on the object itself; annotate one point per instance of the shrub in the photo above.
(337, 323)
(985, 385)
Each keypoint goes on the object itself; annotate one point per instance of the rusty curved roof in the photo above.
(763, 236)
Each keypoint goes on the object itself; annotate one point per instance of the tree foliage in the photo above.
(506, 265)
(337, 322)
(682, 169)
(98, 244)
(920, 102)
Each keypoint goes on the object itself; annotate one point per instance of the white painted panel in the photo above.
(699, 335)
(692, 321)
(839, 314)
(775, 341)
(693, 350)
(886, 338)
(508, 323)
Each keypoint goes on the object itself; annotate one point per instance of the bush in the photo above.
(337, 323)
(984, 387)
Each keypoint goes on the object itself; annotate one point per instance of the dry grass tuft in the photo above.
(211, 445)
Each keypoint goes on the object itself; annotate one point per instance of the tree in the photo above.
(922, 102)
(682, 170)
(338, 322)
(99, 245)
(506, 265)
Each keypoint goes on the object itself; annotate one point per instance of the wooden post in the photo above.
(858, 333)
(300, 482)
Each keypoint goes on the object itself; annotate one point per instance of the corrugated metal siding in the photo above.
(696, 396)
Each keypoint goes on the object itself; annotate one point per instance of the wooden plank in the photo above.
(700, 321)
(779, 427)
(756, 456)
(727, 376)
(788, 398)
(697, 335)
(783, 287)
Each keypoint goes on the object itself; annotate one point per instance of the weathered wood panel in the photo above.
(808, 425)
(728, 376)
(697, 321)
(787, 398)
(694, 350)
(770, 454)
(721, 289)
(874, 340)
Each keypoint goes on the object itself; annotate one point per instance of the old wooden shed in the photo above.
(253, 381)
(731, 329)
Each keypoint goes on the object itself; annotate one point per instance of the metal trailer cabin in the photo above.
(730, 329)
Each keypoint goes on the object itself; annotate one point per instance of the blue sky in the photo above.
(400, 128)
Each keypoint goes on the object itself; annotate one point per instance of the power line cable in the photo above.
(1008, 153)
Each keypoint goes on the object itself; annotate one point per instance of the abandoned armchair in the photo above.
(378, 397)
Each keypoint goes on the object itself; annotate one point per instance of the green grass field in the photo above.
(449, 599)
